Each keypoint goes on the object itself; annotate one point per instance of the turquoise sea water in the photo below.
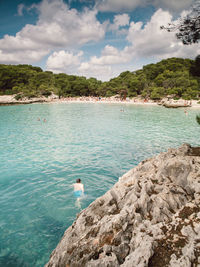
(40, 160)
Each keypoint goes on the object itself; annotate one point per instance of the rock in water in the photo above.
(151, 217)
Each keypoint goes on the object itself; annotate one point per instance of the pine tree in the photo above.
(188, 27)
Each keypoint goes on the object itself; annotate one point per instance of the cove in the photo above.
(39, 160)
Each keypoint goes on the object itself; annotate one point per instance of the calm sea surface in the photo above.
(40, 160)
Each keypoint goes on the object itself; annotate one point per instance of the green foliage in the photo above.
(157, 93)
(18, 96)
(173, 76)
(31, 81)
(109, 93)
(187, 28)
(195, 68)
(167, 77)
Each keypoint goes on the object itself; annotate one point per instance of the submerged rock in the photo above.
(151, 217)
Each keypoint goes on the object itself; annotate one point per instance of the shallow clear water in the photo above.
(40, 160)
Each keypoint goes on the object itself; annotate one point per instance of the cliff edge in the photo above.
(151, 217)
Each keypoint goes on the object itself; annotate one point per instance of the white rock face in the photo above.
(151, 217)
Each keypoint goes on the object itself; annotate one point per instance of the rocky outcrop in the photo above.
(11, 100)
(151, 217)
(175, 104)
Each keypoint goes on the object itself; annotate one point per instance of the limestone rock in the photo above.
(10, 100)
(151, 217)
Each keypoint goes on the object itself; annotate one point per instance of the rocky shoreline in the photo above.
(10, 100)
(151, 217)
(22, 102)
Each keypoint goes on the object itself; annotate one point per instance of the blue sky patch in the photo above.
(92, 38)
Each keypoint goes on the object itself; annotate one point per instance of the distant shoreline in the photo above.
(10, 100)
(108, 100)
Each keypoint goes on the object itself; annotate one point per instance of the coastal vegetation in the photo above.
(174, 76)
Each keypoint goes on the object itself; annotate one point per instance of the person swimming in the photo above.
(78, 192)
(78, 188)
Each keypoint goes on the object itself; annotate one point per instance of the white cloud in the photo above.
(127, 5)
(119, 22)
(70, 27)
(101, 68)
(117, 5)
(172, 5)
(150, 41)
(20, 9)
(57, 27)
(147, 43)
(108, 65)
(18, 57)
(63, 61)
(110, 56)
(60, 30)
(99, 71)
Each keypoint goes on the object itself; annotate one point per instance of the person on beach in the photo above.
(78, 188)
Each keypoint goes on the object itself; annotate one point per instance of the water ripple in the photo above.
(40, 161)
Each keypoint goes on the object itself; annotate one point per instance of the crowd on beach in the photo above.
(9, 99)
(135, 100)
(105, 100)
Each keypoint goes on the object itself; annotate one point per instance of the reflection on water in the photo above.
(39, 162)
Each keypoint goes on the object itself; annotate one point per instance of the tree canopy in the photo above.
(188, 28)
(174, 76)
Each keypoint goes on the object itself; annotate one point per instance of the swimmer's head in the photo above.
(78, 180)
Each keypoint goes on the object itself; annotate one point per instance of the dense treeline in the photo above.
(173, 76)
(29, 81)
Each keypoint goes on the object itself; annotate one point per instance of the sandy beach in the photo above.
(109, 100)
(112, 100)
(10, 99)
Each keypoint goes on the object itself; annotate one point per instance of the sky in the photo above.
(92, 38)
